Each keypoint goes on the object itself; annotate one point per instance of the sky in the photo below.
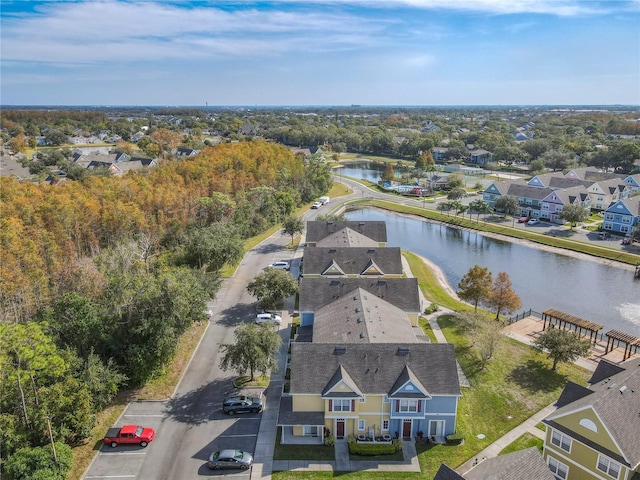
(332, 52)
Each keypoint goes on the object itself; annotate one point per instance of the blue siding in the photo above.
(442, 405)
(306, 319)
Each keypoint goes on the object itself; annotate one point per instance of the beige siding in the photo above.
(307, 403)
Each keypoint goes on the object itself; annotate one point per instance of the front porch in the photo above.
(287, 436)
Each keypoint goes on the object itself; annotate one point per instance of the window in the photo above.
(361, 425)
(560, 470)
(385, 425)
(386, 399)
(341, 405)
(310, 430)
(408, 405)
(362, 400)
(560, 440)
(608, 466)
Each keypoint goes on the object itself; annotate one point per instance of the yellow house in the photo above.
(595, 432)
(372, 391)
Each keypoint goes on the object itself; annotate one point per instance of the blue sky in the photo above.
(306, 52)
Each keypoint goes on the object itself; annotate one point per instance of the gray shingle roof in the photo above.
(447, 473)
(616, 401)
(525, 464)
(317, 230)
(315, 293)
(360, 317)
(347, 238)
(354, 260)
(527, 191)
(374, 367)
(286, 415)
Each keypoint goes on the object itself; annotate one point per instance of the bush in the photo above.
(329, 441)
(369, 449)
(455, 439)
(431, 308)
(397, 444)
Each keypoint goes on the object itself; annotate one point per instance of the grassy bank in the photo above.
(507, 230)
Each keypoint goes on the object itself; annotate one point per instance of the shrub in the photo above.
(329, 441)
(396, 443)
(431, 308)
(368, 449)
(455, 439)
(351, 439)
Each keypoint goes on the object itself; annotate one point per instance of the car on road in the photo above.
(230, 459)
(316, 205)
(282, 265)
(268, 317)
(242, 404)
(533, 221)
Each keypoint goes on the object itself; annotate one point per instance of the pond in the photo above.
(594, 291)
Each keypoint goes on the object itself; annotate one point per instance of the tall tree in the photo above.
(475, 286)
(272, 286)
(574, 214)
(254, 350)
(508, 204)
(388, 174)
(562, 345)
(502, 298)
(292, 226)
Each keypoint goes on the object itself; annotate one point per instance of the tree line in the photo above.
(99, 278)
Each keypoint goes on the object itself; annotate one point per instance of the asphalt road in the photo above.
(190, 425)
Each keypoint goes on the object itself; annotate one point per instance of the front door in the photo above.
(340, 428)
(406, 428)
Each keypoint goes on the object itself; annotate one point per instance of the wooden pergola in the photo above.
(630, 342)
(563, 319)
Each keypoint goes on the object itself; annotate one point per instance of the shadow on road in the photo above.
(237, 314)
(269, 248)
(201, 405)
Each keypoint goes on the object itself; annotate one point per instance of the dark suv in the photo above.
(242, 404)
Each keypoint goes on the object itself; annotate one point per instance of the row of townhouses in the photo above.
(545, 196)
(359, 363)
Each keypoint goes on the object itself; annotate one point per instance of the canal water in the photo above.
(600, 293)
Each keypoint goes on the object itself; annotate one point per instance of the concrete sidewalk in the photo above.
(528, 426)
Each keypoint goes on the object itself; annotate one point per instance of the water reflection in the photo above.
(596, 292)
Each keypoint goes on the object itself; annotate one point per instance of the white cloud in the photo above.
(109, 30)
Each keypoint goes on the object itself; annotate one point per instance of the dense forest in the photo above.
(100, 277)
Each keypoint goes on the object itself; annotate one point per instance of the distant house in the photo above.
(480, 157)
(622, 216)
(186, 152)
(552, 205)
(595, 431)
(439, 153)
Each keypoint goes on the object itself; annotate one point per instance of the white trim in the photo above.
(609, 462)
(361, 422)
(561, 437)
(593, 473)
(558, 464)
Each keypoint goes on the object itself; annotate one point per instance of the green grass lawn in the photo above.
(517, 383)
(524, 441)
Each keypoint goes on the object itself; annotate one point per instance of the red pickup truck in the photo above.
(129, 434)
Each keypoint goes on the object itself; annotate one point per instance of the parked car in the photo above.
(242, 404)
(523, 219)
(533, 221)
(316, 205)
(268, 317)
(230, 459)
(128, 435)
(280, 265)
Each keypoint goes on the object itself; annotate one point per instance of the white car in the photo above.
(316, 205)
(280, 265)
(268, 317)
(533, 221)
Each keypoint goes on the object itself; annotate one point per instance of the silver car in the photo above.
(230, 459)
